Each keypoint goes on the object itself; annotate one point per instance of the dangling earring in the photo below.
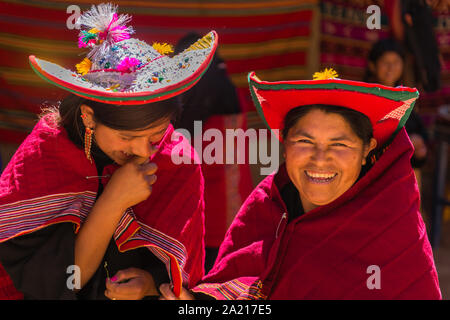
(87, 140)
(87, 143)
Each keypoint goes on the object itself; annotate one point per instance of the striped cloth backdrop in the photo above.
(345, 42)
(276, 38)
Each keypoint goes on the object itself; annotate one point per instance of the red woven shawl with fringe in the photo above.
(49, 180)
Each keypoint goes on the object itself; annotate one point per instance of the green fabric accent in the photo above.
(258, 105)
(401, 123)
(385, 93)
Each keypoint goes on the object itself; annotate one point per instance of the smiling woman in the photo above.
(344, 202)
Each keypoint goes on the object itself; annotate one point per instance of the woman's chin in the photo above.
(320, 199)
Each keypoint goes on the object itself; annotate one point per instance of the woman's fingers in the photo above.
(149, 168)
(130, 284)
(151, 179)
(166, 292)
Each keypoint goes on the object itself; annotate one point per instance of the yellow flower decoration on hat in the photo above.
(162, 48)
(84, 66)
(325, 75)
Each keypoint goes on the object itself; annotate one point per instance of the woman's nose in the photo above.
(320, 154)
(143, 148)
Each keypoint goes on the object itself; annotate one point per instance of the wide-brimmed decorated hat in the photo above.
(119, 69)
(387, 108)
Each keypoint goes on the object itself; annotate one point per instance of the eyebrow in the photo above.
(138, 136)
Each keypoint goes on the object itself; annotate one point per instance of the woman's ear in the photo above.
(368, 148)
(87, 116)
(372, 145)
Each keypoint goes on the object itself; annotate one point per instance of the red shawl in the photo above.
(330, 252)
(49, 180)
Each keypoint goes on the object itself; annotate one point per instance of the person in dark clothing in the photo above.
(386, 61)
(214, 96)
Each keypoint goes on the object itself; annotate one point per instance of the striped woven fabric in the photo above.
(74, 207)
(345, 43)
(345, 38)
(43, 211)
(232, 290)
(130, 234)
(272, 37)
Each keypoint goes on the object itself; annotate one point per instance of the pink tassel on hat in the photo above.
(128, 64)
(117, 31)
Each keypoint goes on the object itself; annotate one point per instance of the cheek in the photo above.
(296, 160)
(350, 164)
(398, 70)
(297, 155)
(109, 142)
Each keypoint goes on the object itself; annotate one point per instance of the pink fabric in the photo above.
(326, 253)
(48, 163)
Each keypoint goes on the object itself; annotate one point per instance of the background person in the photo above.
(214, 102)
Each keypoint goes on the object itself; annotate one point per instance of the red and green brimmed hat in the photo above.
(387, 108)
(119, 69)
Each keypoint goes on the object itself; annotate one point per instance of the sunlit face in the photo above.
(122, 145)
(389, 68)
(323, 157)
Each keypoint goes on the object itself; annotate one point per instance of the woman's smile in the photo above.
(125, 155)
(320, 177)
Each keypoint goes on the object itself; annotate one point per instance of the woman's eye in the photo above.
(126, 139)
(339, 145)
(304, 141)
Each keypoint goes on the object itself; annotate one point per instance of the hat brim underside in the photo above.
(387, 108)
(76, 84)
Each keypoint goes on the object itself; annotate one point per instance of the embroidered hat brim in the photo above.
(182, 76)
(387, 108)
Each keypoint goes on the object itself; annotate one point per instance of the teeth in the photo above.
(320, 175)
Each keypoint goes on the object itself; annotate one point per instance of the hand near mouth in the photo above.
(131, 183)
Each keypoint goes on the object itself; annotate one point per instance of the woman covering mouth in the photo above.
(88, 196)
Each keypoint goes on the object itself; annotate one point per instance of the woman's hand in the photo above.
(131, 183)
(128, 186)
(167, 293)
(130, 284)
